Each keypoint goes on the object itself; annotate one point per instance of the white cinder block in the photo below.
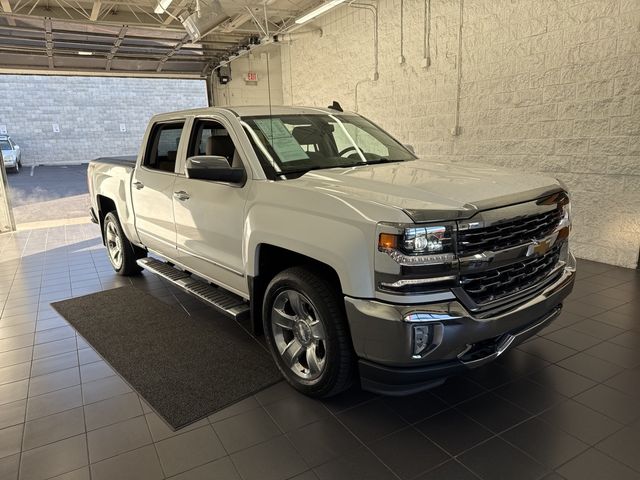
(546, 87)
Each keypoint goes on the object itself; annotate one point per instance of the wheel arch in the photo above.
(105, 205)
(271, 260)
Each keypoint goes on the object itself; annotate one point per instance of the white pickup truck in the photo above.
(357, 260)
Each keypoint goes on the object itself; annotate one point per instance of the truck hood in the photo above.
(428, 190)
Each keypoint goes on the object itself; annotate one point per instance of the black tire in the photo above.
(16, 169)
(326, 302)
(125, 264)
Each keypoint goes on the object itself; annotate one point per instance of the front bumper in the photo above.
(10, 163)
(383, 336)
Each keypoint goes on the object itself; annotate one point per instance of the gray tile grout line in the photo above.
(26, 407)
(365, 402)
(153, 442)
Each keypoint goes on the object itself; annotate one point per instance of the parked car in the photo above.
(356, 259)
(10, 153)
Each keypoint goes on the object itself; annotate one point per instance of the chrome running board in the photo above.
(219, 298)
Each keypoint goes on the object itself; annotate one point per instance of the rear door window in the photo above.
(162, 149)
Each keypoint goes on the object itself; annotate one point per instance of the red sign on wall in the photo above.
(252, 77)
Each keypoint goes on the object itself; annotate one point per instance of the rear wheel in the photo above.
(122, 253)
(16, 169)
(306, 329)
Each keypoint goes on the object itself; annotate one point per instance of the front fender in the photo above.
(344, 246)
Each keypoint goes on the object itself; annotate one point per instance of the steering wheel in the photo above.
(345, 150)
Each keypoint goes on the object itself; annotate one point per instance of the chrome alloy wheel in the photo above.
(299, 334)
(114, 246)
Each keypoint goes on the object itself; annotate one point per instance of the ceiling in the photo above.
(126, 37)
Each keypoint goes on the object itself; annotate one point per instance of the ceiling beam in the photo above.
(116, 46)
(6, 8)
(122, 17)
(95, 10)
(174, 13)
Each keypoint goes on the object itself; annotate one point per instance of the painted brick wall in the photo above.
(88, 111)
(547, 86)
(240, 92)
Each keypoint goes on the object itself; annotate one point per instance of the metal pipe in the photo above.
(426, 50)
(374, 10)
(456, 126)
(376, 74)
(289, 37)
(402, 59)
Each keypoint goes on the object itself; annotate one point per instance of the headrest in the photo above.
(307, 135)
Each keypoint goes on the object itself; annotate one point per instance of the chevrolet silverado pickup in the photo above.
(357, 260)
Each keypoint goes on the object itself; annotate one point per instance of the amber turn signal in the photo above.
(388, 241)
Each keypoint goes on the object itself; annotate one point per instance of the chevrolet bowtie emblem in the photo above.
(539, 247)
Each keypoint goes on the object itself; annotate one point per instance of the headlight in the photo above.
(419, 245)
(419, 241)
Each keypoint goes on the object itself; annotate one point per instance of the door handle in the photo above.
(138, 185)
(182, 195)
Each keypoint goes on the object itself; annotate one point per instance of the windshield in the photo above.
(299, 143)
(4, 145)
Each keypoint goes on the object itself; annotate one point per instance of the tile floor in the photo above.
(566, 404)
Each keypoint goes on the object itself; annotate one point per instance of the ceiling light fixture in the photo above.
(318, 11)
(85, 53)
(162, 6)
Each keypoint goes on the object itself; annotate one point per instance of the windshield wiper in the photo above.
(371, 162)
(308, 169)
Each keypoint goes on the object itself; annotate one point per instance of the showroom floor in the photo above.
(564, 405)
(48, 193)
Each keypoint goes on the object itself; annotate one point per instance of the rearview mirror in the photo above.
(410, 148)
(214, 168)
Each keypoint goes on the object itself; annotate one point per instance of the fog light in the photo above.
(421, 338)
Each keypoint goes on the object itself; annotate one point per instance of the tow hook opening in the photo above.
(481, 350)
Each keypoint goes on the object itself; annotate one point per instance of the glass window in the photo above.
(211, 138)
(299, 143)
(163, 147)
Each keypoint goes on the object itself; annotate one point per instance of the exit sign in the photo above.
(251, 77)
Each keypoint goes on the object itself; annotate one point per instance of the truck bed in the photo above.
(126, 160)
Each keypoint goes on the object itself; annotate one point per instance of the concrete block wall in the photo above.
(88, 111)
(240, 92)
(546, 86)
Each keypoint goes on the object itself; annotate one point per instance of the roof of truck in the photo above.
(254, 110)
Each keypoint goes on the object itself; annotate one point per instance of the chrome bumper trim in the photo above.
(382, 332)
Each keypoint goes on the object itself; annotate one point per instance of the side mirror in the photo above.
(214, 168)
(410, 148)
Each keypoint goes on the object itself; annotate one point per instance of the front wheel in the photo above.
(306, 329)
(123, 255)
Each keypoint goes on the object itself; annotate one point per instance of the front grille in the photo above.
(508, 234)
(496, 283)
